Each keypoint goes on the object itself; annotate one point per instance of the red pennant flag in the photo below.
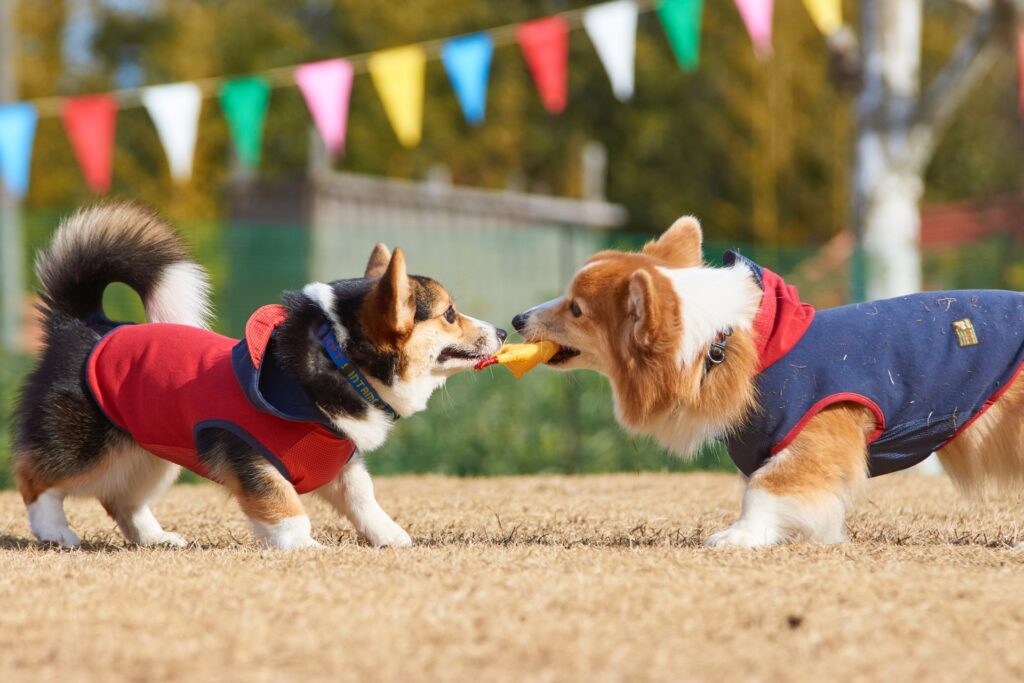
(90, 122)
(545, 44)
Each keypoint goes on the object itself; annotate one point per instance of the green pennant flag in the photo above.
(681, 20)
(244, 101)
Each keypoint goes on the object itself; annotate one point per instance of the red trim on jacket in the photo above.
(781, 319)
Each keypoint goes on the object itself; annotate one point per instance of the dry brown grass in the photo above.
(540, 578)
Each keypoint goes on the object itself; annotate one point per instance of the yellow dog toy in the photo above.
(521, 358)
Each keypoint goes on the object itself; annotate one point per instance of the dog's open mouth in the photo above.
(564, 354)
(455, 353)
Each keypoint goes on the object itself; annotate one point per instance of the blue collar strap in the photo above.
(351, 373)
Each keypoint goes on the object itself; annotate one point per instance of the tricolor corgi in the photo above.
(112, 411)
(808, 403)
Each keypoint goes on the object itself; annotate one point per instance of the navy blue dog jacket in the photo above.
(926, 365)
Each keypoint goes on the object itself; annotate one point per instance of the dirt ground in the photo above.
(526, 579)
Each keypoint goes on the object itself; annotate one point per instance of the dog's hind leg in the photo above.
(45, 505)
(802, 492)
(989, 452)
(48, 521)
(132, 480)
(351, 494)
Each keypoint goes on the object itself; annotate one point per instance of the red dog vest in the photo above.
(170, 385)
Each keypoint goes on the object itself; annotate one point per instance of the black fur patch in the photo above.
(91, 253)
(426, 292)
(56, 420)
(222, 452)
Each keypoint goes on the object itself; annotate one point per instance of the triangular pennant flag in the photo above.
(398, 76)
(17, 131)
(90, 123)
(244, 101)
(468, 63)
(681, 20)
(327, 87)
(827, 14)
(757, 16)
(612, 29)
(545, 44)
(175, 109)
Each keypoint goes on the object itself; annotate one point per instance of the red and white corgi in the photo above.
(809, 403)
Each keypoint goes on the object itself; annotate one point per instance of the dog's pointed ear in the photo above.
(393, 301)
(680, 245)
(379, 259)
(642, 309)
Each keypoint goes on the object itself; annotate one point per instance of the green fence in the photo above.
(488, 423)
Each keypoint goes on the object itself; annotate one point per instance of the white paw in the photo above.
(293, 543)
(291, 533)
(389, 534)
(742, 536)
(58, 535)
(165, 538)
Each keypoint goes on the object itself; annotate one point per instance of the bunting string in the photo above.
(397, 75)
(284, 76)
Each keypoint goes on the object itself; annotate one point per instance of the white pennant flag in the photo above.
(612, 29)
(174, 109)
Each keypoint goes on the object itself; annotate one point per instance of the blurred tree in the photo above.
(899, 125)
(759, 150)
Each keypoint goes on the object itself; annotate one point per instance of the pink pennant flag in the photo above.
(757, 16)
(327, 86)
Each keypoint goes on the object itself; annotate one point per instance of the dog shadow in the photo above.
(11, 542)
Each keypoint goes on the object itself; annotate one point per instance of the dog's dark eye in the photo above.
(576, 311)
(449, 315)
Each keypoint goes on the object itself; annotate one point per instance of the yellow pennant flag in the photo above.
(398, 76)
(827, 14)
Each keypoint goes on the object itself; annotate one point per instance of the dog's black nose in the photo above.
(519, 322)
(502, 334)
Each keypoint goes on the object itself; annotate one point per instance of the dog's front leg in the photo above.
(801, 493)
(351, 494)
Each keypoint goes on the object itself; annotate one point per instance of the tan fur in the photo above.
(380, 257)
(31, 484)
(391, 306)
(25, 478)
(829, 455)
(680, 245)
(277, 501)
(991, 449)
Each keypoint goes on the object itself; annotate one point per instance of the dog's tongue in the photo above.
(521, 358)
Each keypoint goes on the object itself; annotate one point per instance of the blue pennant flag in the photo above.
(467, 60)
(17, 131)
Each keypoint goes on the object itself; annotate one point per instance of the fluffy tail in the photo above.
(123, 242)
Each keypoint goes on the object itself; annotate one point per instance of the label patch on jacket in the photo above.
(965, 335)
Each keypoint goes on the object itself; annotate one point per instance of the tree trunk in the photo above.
(887, 179)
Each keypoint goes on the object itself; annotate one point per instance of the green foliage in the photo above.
(12, 369)
(492, 424)
(485, 424)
